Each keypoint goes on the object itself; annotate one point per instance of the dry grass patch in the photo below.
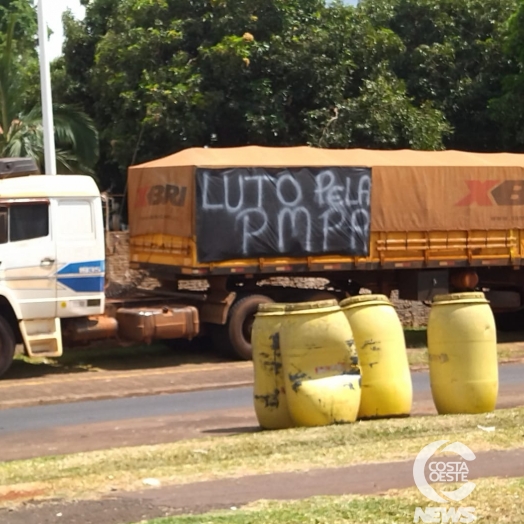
(85, 475)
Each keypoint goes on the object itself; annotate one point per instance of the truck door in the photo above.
(81, 256)
(28, 256)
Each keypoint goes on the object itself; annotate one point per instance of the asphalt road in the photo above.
(93, 412)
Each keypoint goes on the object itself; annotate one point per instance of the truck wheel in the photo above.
(317, 296)
(240, 323)
(509, 321)
(7, 346)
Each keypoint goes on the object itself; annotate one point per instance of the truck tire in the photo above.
(509, 321)
(319, 295)
(237, 338)
(7, 346)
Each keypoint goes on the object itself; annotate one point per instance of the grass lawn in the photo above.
(106, 356)
(495, 501)
(87, 475)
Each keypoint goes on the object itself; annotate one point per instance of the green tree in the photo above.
(381, 117)
(21, 128)
(161, 76)
(453, 57)
(25, 32)
(508, 108)
(25, 40)
(371, 106)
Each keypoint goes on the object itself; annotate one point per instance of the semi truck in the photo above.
(224, 230)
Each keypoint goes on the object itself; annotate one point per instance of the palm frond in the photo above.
(28, 141)
(74, 132)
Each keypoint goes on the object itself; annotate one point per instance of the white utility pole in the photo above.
(47, 101)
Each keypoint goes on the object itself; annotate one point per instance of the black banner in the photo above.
(260, 212)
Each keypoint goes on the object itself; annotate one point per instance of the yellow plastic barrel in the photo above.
(387, 390)
(269, 390)
(322, 377)
(462, 348)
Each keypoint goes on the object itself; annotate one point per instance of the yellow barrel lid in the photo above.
(298, 307)
(470, 296)
(361, 299)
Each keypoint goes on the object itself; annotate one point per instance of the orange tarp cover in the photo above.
(256, 156)
(410, 190)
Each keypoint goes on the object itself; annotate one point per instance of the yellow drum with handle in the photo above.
(320, 364)
(462, 348)
(387, 390)
(269, 390)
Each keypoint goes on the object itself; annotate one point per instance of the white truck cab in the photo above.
(52, 258)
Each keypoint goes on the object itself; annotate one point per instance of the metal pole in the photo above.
(47, 102)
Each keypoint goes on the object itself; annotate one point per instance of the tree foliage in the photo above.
(21, 131)
(158, 76)
(508, 108)
(25, 32)
(454, 58)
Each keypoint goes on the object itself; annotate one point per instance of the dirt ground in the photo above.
(362, 479)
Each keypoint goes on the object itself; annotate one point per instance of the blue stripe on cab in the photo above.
(83, 268)
(83, 284)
